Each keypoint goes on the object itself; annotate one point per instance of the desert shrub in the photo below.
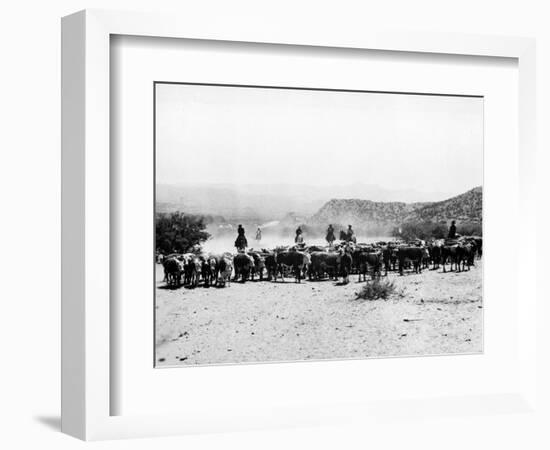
(470, 229)
(420, 230)
(409, 231)
(376, 289)
(178, 232)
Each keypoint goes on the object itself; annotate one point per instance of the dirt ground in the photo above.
(432, 313)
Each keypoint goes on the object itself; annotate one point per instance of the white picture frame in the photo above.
(86, 325)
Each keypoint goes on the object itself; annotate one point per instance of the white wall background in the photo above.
(30, 196)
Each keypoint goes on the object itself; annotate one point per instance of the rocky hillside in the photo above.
(466, 207)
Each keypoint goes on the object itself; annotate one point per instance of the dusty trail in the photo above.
(436, 313)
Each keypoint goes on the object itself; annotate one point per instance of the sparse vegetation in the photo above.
(431, 230)
(376, 289)
(420, 230)
(463, 208)
(470, 229)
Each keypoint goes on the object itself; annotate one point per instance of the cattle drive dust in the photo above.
(221, 244)
(431, 313)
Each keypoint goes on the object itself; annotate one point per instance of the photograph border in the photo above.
(85, 192)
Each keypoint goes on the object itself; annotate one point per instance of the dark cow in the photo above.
(461, 254)
(271, 266)
(476, 245)
(389, 258)
(176, 256)
(346, 264)
(366, 260)
(479, 246)
(476, 241)
(412, 254)
(426, 258)
(324, 263)
(243, 265)
(452, 254)
(435, 254)
(259, 265)
(214, 262)
(297, 262)
(467, 254)
(206, 271)
(173, 269)
(356, 251)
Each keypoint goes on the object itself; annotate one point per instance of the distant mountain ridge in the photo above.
(271, 202)
(466, 207)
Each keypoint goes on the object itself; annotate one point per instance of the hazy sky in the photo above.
(216, 134)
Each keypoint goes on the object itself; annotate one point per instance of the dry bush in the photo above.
(377, 289)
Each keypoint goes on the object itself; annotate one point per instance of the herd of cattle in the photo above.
(317, 262)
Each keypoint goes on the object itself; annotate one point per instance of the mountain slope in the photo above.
(465, 207)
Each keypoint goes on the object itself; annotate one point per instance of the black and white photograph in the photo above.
(297, 224)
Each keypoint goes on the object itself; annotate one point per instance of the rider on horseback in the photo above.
(330, 235)
(299, 239)
(241, 242)
(350, 235)
(452, 230)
